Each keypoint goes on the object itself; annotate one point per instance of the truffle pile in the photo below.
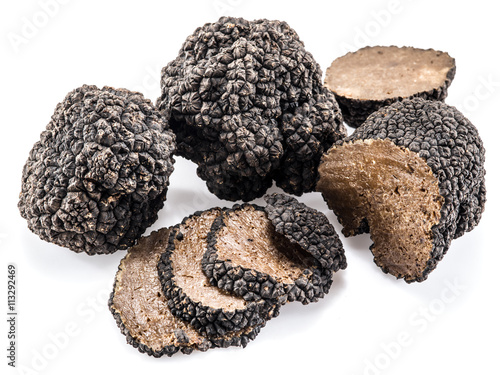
(245, 101)
(248, 106)
(215, 279)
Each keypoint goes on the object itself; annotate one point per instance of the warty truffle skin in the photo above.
(452, 148)
(99, 173)
(248, 106)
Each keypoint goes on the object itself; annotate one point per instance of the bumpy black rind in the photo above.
(356, 111)
(240, 340)
(301, 225)
(250, 284)
(312, 231)
(247, 104)
(211, 322)
(99, 173)
(453, 149)
(183, 343)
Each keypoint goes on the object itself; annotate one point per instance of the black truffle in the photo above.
(99, 173)
(141, 310)
(285, 251)
(211, 311)
(413, 176)
(374, 77)
(247, 104)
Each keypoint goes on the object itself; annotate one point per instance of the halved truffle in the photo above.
(99, 174)
(210, 310)
(374, 77)
(286, 251)
(141, 309)
(413, 176)
(248, 106)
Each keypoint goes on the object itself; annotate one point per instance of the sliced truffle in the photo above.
(210, 310)
(99, 173)
(285, 251)
(248, 106)
(413, 176)
(141, 310)
(374, 77)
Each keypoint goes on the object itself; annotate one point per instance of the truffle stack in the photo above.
(186, 288)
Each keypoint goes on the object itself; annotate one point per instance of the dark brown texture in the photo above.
(373, 77)
(394, 190)
(99, 173)
(248, 106)
(448, 144)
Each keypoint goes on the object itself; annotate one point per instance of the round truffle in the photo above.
(374, 77)
(141, 310)
(208, 309)
(285, 251)
(248, 106)
(99, 174)
(413, 176)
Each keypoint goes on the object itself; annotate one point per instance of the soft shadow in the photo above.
(360, 242)
(65, 264)
(302, 317)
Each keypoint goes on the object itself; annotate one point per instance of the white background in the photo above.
(370, 323)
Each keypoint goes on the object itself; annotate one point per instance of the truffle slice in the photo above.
(99, 174)
(141, 310)
(248, 106)
(286, 251)
(373, 77)
(413, 176)
(210, 310)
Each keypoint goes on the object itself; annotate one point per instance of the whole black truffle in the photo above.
(247, 104)
(285, 251)
(413, 176)
(99, 173)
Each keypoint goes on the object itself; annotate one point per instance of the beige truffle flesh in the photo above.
(376, 185)
(210, 310)
(372, 77)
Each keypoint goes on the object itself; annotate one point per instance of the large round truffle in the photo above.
(413, 176)
(285, 251)
(373, 77)
(247, 104)
(99, 173)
